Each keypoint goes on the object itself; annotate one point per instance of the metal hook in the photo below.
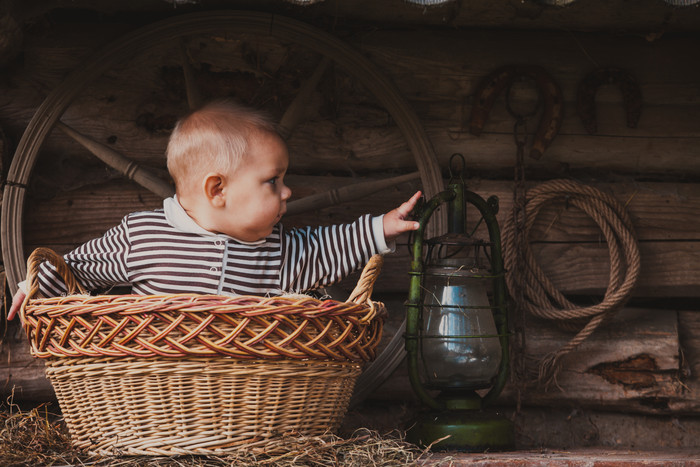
(457, 170)
(521, 117)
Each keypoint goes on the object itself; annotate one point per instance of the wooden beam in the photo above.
(21, 375)
(597, 15)
(437, 73)
(566, 242)
(631, 365)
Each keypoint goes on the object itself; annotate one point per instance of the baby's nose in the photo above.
(286, 192)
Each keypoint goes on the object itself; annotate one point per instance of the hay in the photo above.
(34, 438)
(40, 438)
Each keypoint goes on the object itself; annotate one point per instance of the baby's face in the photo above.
(256, 196)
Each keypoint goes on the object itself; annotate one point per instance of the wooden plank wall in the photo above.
(654, 170)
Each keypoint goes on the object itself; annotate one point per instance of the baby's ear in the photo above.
(214, 189)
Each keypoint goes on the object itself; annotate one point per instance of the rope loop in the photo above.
(538, 295)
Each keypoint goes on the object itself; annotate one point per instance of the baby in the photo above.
(221, 232)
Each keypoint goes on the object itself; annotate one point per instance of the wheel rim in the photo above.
(352, 62)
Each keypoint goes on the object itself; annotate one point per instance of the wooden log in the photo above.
(660, 211)
(566, 242)
(81, 215)
(580, 435)
(646, 18)
(11, 31)
(21, 374)
(632, 364)
(361, 149)
(669, 269)
(454, 63)
(688, 331)
(345, 194)
(598, 15)
(436, 72)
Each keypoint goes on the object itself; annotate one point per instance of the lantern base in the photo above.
(463, 430)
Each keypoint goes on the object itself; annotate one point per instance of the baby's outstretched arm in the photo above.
(395, 221)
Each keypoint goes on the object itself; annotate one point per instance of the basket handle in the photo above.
(365, 285)
(34, 261)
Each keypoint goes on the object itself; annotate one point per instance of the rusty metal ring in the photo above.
(549, 92)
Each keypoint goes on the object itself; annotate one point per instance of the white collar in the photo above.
(176, 216)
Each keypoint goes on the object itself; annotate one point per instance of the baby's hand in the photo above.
(395, 222)
(16, 304)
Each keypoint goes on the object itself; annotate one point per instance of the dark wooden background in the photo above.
(645, 362)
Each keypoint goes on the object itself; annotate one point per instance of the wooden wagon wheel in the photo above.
(172, 32)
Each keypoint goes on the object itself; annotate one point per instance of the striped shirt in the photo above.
(165, 251)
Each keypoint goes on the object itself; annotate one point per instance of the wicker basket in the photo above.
(199, 374)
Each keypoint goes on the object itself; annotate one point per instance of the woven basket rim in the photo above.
(194, 300)
(179, 325)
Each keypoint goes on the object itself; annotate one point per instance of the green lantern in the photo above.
(457, 326)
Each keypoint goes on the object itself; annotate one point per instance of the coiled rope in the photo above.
(536, 291)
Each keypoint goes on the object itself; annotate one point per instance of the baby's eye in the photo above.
(272, 181)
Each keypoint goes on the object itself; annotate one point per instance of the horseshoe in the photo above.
(631, 96)
(550, 94)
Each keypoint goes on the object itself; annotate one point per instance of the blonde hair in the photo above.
(215, 138)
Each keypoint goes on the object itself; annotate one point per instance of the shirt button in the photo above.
(213, 269)
(218, 243)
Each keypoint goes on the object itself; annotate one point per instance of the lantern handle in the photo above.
(488, 209)
(413, 306)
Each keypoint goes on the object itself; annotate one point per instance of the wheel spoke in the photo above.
(346, 193)
(117, 161)
(295, 112)
(194, 97)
